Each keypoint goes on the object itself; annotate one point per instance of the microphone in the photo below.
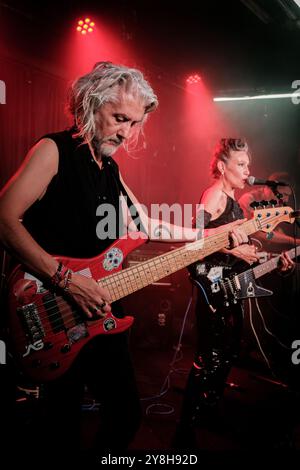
(252, 180)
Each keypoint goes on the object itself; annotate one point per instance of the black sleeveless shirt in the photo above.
(231, 213)
(64, 220)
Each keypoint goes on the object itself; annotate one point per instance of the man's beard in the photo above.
(99, 150)
(103, 148)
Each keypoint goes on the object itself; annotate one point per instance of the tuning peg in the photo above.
(273, 202)
(263, 203)
(254, 204)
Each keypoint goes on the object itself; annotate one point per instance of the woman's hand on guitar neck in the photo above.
(237, 233)
(286, 264)
(91, 298)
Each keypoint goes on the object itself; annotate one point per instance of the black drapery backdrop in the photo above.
(34, 106)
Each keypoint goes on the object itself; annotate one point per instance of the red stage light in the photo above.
(85, 26)
(193, 79)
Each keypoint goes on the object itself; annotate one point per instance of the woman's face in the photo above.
(236, 169)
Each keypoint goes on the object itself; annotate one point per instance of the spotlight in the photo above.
(193, 79)
(84, 26)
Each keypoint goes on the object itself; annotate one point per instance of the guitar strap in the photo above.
(136, 218)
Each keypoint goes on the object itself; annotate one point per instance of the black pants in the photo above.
(218, 341)
(54, 429)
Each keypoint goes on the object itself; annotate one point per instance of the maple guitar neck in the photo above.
(48, 332)
(272, 264)
(137, 277)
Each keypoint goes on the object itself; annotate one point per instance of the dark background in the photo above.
(239, 48)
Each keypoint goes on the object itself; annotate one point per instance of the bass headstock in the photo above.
(268, 218)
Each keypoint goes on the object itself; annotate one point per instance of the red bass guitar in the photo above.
(47, 331)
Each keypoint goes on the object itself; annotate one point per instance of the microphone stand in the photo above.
(275, 191)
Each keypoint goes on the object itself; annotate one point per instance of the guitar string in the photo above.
(57, 316)
(70, 316)
(109, 280)
(209, 240)
(272, 262)
(86, 319)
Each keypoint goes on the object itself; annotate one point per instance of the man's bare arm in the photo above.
(28, 185)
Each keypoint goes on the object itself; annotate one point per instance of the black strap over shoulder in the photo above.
(202, 219)
(140, 227)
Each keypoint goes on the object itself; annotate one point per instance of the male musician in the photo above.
(57, 193)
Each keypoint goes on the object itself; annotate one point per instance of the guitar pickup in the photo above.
(237, 282)
(31, 322)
